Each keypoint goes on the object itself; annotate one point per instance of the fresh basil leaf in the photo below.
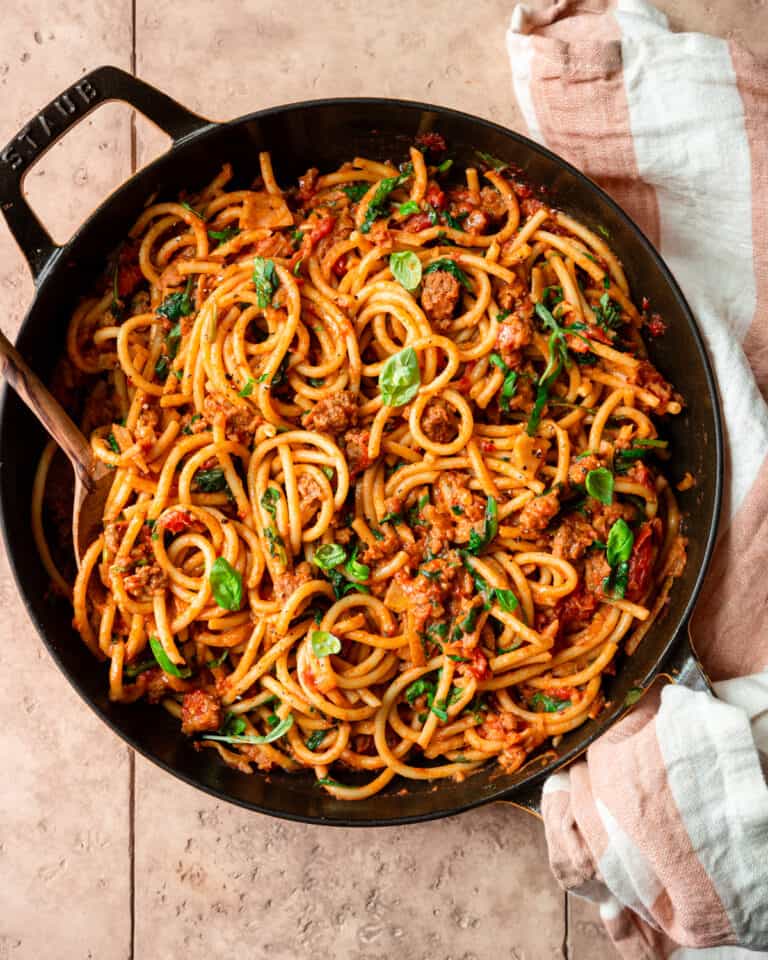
(449, 266)
(324, 643)
(279, 731)
(265, 280)
(114, 445)
(191, 209)
(400, 378)
(226, 585)
(176, 305)
(247, 389)
(210, 481)
(342, 586)
(620, 543)
(406, 269)
(356, 191)
(275, 544)
(458, 659)
(329, 555)
(164, 661)
(599, 484)
(455, 223)
(225, 235)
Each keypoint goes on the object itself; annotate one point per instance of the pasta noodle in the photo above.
(386, 496)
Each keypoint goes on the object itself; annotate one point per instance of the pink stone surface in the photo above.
(102, 855)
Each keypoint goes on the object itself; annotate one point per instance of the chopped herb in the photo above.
(419, 688)
(506, 598)
(496, 360)
(633, 696)
(234, 725)
(607, 313)
(279, 731)
(359, 572)
(377, 201)
(247, 389)
(508, 389)
(114, 445)
(407, 208)
(469, 622)
(265, 280)
(490, 528)
(275, 544)
(315, 739)
(324, 643)
(192, 210)
(457, 509)
(604, 231)
(225, 235)
(446, 265)
(392, 517)
(356, 191)
(328, 782)
(316, 381)
(493, 162)
(226, 585)
(502, 315)
(217, 662)
(165, 662)
(455, 223)
(269, 500)
(445, 166)
(176, 305)
(134, 669)
(210, 481)
(547, 704)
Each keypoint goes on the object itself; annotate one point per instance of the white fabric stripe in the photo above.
(625, 870)
(722, 804)
(751, 694)
(685, 86)
(520, 50)
(717, 953)
(557, 782)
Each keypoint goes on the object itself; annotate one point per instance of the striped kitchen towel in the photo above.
(665, 824)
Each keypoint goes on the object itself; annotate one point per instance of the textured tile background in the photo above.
(101, 855)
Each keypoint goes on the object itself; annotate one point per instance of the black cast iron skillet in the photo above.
(323, 134)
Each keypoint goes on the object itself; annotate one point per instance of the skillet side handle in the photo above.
(52, 122)
(684, 666)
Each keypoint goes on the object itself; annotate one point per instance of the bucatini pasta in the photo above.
(387, 497)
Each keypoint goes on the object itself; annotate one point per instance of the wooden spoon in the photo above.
(93, 478)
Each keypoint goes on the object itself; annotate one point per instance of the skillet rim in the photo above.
(523, 793)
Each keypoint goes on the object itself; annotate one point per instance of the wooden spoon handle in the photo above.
(48, 411)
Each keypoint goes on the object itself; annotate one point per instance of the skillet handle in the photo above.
(99, 86)
(684, 666)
